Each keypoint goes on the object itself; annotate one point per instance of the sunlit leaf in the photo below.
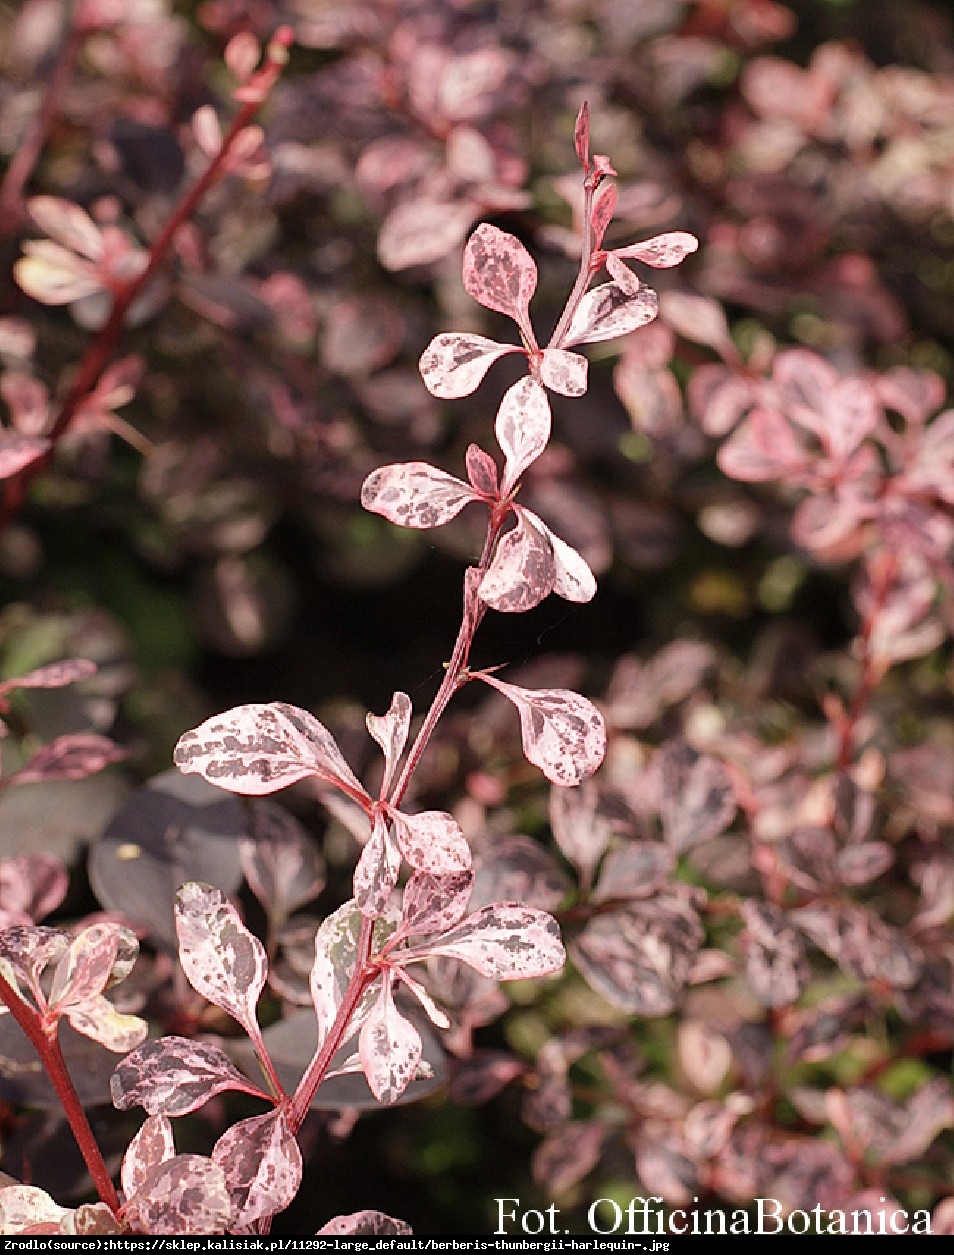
(415, 494)
(260, 748)
(262, 1166)
(22, 1206)
(172, 1076)
(662, 251)
(522, 427)
(222, 960)
(572, 577)
(54, 275)
(563, 733)
(390, 1047)
(432, 904)
(606, 312)
(378, 867)
(500, 274)
(336, 952)
(455, 362)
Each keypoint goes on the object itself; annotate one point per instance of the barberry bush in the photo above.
(687, 936)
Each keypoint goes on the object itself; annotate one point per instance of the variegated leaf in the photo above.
(171, 1076)
(503, 940)
(390, 1047)
(23, 1206)
(262, 1166)
(97, 1019)
(336, 951)
(222, 960)
(53, 675)
(258, 749)
(522, 572)
(563, 733)
(606, 312)
(522, 427)
(564, 372)
(432, 841)
(73, 756)
(697, 800)
(88, 966)
(500, 274)
(415, 494)
(455, 362)
(390, 731)
(377, 871)
(18, 450)
(482, 471)
(572, 577)
(184, 1195)
(366, 1224)
(432, 904)
(151, 1146)
(282, 864)
(662, 251)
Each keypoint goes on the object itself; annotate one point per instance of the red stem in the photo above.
(47, 1046)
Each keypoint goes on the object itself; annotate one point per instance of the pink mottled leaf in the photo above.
(563, 733)
(621, 275)
(98, 957)
(564, 372)
(662, 251)
(604, 206)
(581, 136)
(697, 800)
(53, 675)
(638, 869)
(390, 1047)
(73, 756)
(336, 952)
(378, 867)
(152, 1146)
(25, 954)
(606, 312)
(31, 886)
(257, 749)
(415, 494)
(578, 828)
(68, 224)
(420, 231)
(18, 450)
(262, 1166)
(763, 447)
(25, 1206)
(481, 471)
(366, 1224)
(432, 841)
(503, 940)
(522, 427)
(697, 318)
(500, 274)
(455, 362)
(572, 577)
(171, 1076)
(390, 731)
(432, 904)
(522, 572)
(774, 955)
(222, 960)
(184, 1195)
(282, 865)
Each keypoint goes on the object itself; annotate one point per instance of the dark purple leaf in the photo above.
(519, 869)
(774, 957)
(580, 831)
(697, 800)
(171, 1076)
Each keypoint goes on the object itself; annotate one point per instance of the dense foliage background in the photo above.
(772, 830)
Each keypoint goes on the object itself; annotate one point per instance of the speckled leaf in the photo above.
(606, 312)
(53, 675)
(390, 731)
(22, 1206)
(563, 733)
(73, 756)
(774, 955)
(184, 1195)
(572, 577)
(262, 1166)
(390, 1047)
(377, 871)
(89, 965)
(522, 427)
(432, 841)
(31, 886)
(637, 869)
(578, 828)
(336, 950)
(697, 800)
(366, 1224)
(260, 748)
(151, 1146)
(454, 363)
(662, 251)
(503, 940)
(415, 494)
(222, 960)
(432, 904)
(522, 572)
(481, 471)
(564, 372)
(639, 958)
(26, 952)
(500, 274)
(172, 1076)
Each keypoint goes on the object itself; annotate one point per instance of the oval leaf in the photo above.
(171, 1076)
(500, 274)
(262, 1166)
(390, 1048)
(606, 312)
(563, 733)
(522, 427)
(454, 363)
(415, 494)
(504, 940)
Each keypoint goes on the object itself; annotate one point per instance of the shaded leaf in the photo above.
(578, 829)
(260, 748)
(282, 865)
(774, 957)
(565, 1157)
(697, 800)
(637, 869)
(563, 733)
(68, 224)
(31, 886)
(18, 450)
(420, 231)
(171, 1076)
(70, 757)
(415, 494)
